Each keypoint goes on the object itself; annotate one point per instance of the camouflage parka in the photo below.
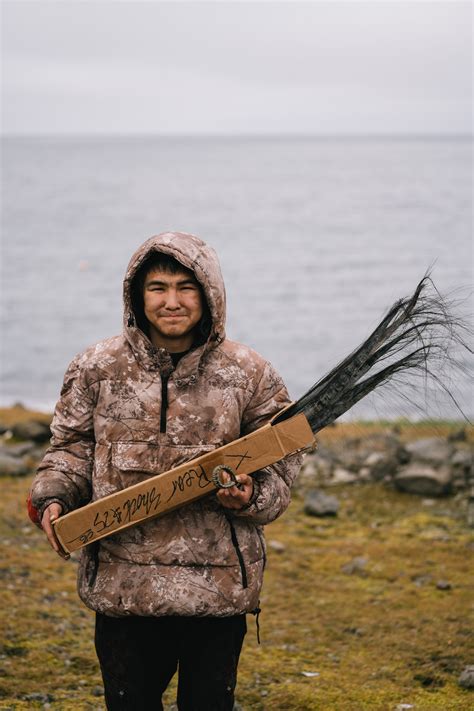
(202, 559)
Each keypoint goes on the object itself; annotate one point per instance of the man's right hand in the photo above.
(50, 514)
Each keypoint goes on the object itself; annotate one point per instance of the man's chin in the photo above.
(173, 332)
(168, 328)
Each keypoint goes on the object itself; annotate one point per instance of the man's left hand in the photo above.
(235, 498)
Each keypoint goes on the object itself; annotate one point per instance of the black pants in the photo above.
(139, 656)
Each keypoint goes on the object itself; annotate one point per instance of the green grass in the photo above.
(377, 638)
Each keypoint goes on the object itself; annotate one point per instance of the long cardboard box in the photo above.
(160, 494)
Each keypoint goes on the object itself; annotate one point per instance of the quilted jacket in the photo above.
(202, 559)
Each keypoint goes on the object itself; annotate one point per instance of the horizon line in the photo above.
(248, 135)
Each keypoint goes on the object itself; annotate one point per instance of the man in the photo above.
(174, 590)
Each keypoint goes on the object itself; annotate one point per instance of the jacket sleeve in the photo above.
(272, 485)
(64, 475)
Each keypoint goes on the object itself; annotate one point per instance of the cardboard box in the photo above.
(188, 482)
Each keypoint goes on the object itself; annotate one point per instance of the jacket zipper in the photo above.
(239, 554)
(164, 402)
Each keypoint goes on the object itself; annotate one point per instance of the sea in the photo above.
(317, 237)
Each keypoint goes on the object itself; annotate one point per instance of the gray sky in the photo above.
(237, 67)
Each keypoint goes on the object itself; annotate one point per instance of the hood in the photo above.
(194, 254)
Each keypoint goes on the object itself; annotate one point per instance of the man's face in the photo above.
(173, 306)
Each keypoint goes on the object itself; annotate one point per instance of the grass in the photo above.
(382, 636)
(12, 415)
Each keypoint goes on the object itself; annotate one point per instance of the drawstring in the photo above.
(257, 612)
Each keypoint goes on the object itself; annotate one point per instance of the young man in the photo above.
(174, 590)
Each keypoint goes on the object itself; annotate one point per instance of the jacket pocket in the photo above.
(137, 461)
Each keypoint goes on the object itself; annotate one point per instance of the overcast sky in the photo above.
(237, 67)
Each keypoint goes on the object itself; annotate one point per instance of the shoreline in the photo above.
(340, 430)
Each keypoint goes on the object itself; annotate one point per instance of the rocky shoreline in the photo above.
(429, 466)
(22, 445)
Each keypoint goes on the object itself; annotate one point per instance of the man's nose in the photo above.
(172, 300)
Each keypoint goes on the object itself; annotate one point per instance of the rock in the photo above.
(309, 467)
(343, 476)
(356, 451)
(356, 567)
(422, 479)
(316, 470)
(3, 428)
(458, 435)
(364, 474)
(12, 466)
(323, 467)
(373, 459)
(324, 455)
(322, 458)
(32, 430)
(443, 585)
(427, 680)
(462, 458)
(356, 631)
(435, 451)
(421, 580)
(462, 464)
(307, 476)
(466, 680)
(318, 503)
(381, 465)
(18, 450)
(277, 546)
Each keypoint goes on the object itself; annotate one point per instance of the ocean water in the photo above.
(317, 237)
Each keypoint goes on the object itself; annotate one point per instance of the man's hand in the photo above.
(51, 514)
(235, 498)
